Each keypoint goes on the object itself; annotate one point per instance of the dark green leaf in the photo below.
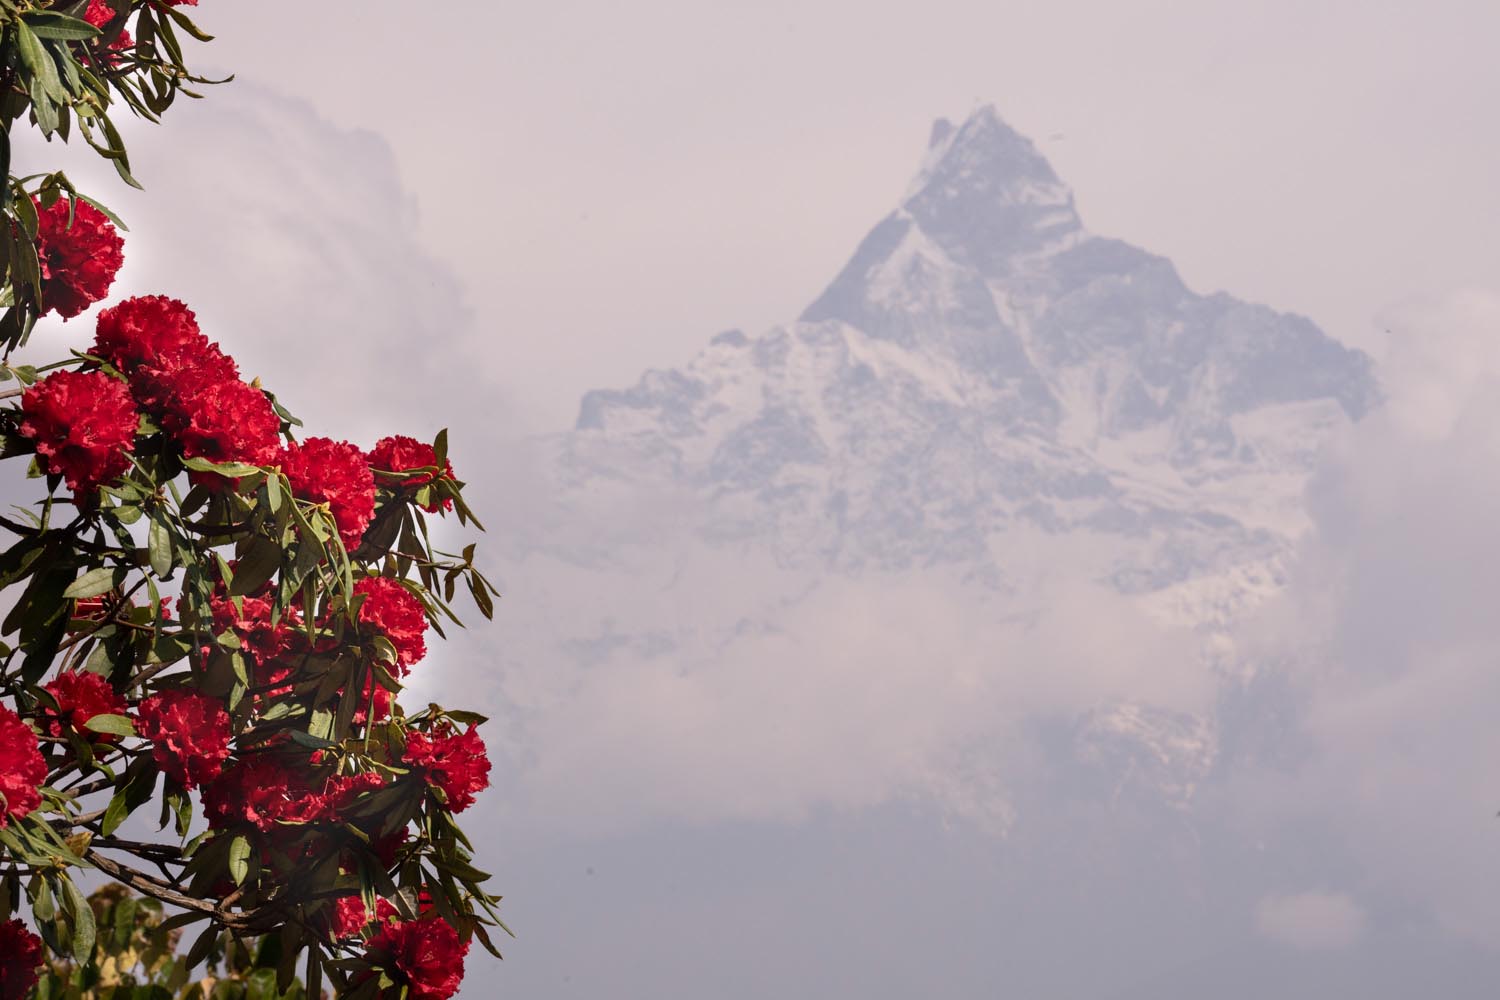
(95, 582)
(48, 24)
(159, 547)
(255, 566)
(239, 859)
(117, 725)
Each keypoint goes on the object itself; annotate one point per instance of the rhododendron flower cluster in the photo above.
(189, 734)
(215, 633)
(456, 764)
(393, 458)
(265, 789)
(389, 609)
(80, 696)
(22, 769)
(20, 957)
(84, 425)
(426, 956)
(335, 473)
(252, 620)
(181, 377)
(350, 917)
(79, 253)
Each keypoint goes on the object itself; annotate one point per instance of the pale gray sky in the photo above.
(617, 182)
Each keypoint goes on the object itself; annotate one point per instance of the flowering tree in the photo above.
(209, 616)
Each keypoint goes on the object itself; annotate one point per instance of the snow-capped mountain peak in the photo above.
(988, 396)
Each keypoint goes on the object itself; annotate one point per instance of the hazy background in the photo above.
(469, 214)
(613, 182)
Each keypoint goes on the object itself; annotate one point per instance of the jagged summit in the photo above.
(985, 205)
(985, 158)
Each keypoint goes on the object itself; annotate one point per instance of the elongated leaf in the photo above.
(140, 782)
(239, 859)
(234, 470)
(95, 582)
(82, 919)
(117, 725)
(49, 24)
(255, 566)
(159, 548)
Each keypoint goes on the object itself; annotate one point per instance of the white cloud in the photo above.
(1312, 921)
(1391, 627)
(295, 241)
(636, 694)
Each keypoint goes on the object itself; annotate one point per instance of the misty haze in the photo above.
(988, 503)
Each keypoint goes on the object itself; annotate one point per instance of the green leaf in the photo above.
(116, 725)
(49, 24)
(187, 25)
(99, 660)
(321, 725)
(159, 548)
(310, 741)
(464, 870)
(384, 649)
(105, 209)
(140, 782)
(82, 916)
(232, 470)
(122, 165)
(201, 947)
(30, 48)
(481, 598)
(95, 582)
(239, 859)
(255, 566)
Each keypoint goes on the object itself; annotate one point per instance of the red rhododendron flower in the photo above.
(350, 916)
(165, 388)
(394, 612)
(374, 702)
(83, 423)
(80, 696)
(153, 331)
(225, 422)
(335, 473)
(424, 955)
(251, 623)
(189, 734)
(22, 768)
(261, 790)
(400, 453)
(20, 957)
(99, 14)
(457, 764)
(78, 262)
(91, 609)
(266, 789)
